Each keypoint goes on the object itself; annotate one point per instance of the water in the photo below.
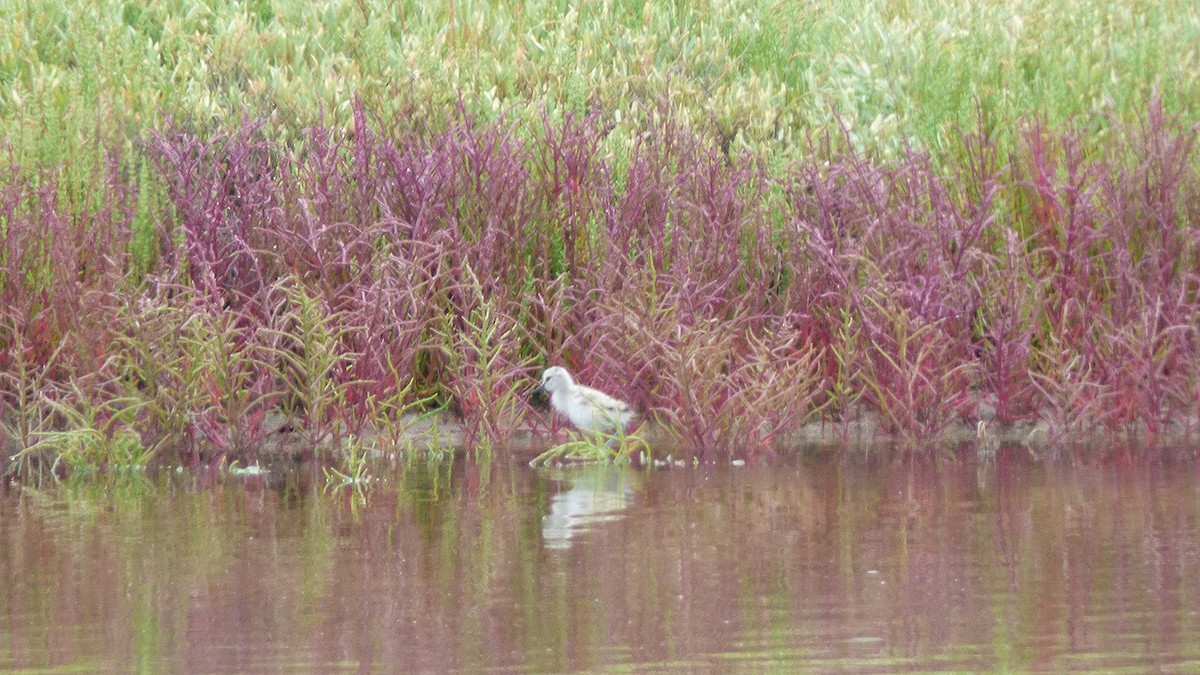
(843, 564)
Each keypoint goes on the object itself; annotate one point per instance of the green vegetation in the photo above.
(78, 75)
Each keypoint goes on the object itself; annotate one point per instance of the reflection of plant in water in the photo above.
(437, 451)
(354, 463)
(353, 476)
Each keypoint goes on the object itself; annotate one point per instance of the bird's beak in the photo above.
(538, 390)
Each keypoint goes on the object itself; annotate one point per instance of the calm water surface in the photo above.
(845, 564)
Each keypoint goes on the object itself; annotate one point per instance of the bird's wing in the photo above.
(610, 406)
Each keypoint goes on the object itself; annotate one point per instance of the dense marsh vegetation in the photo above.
(742, 217)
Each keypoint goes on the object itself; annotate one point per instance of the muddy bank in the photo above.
(446, 434)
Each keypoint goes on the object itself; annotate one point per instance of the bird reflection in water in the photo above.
(596, 494)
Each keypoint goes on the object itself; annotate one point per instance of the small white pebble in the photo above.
(738, 462)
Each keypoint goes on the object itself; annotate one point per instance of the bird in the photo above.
(588, 409)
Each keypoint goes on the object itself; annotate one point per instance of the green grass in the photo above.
(762, 74)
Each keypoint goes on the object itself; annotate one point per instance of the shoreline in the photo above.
(862, 432)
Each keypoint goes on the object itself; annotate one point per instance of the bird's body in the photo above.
(588, 409)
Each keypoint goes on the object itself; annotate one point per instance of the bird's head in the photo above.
(555, 378)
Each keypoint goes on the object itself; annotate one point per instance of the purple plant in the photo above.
(1115, 238)
(356, 278)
